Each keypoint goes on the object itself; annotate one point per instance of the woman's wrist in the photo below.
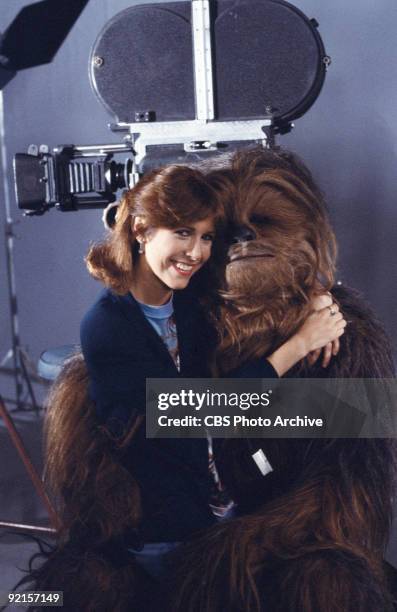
(292, 351)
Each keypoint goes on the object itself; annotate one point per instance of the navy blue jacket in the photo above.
(121, 350)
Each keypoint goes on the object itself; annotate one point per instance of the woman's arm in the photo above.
(320, 328)
(115, 364)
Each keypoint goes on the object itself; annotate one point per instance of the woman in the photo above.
(116, 489)
(163, 237)
(138, 329)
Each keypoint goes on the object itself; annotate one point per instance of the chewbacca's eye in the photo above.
(258, 220)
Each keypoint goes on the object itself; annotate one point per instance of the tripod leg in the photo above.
(33, 475)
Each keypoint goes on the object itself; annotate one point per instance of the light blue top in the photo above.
(162, 319)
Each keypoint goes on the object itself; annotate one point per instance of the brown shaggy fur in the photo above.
(97, 461)
(314, 539)
(271, 279)
(315, 536)
(97, 501)
(317, 527)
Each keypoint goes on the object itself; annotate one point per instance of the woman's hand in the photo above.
(321, 328)
(332, 348)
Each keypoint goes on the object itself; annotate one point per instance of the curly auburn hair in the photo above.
(167, 197)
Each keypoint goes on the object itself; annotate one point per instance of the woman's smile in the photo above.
(185, 269)
(171, 257)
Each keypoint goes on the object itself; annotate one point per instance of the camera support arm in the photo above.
(203, 133)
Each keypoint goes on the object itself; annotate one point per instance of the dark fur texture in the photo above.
(97, 502)
(365, 350)
(316, 528)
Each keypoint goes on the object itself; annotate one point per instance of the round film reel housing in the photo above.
(268, 58)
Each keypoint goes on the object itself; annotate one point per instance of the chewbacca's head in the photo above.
(282, 249)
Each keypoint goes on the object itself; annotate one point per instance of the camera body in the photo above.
(228, 75)
(69, 178)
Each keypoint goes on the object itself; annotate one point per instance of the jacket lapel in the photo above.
(135, 316)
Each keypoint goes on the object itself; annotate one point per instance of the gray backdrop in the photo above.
(347, 138)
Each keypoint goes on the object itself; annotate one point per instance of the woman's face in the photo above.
(174, 255)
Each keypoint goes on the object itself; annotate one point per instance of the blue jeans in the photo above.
(154, 557)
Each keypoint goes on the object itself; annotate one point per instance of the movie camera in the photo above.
(229, 73)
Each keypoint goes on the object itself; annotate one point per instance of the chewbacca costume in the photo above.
(313, 532)
(316, 528)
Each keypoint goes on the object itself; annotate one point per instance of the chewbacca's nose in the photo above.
(242, 233)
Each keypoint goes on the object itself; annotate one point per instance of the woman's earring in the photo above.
(141, 249)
